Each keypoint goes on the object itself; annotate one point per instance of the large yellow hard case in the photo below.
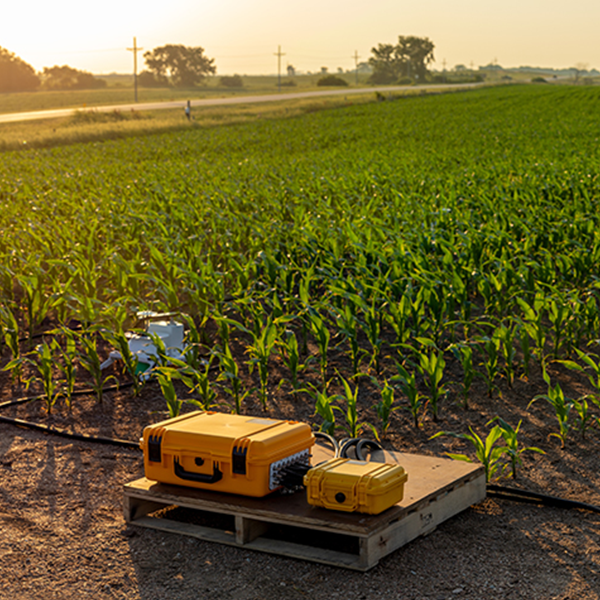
(355, 486)
(225, 453)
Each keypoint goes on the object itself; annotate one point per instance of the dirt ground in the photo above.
(63, 536)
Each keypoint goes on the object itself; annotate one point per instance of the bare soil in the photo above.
(62, 533)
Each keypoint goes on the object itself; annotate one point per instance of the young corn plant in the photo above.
(385, 407)
(321, 334)
(464, 354)
(90, 361)
(288, 350)
(408, 386)
(11, 337)
(165, 380)
(506, 336)
(352, 427)
(43, 360)
(260, 351)
(37, 302)
(558, 315)
(431, 366)
(524, 342)
(513, 451)
(229, 372)
(372, 327)
(131, 362)
(562, 407)
(533, 325)
(69, 366)
(585, 419)
(324, 408)
(491, 348)
(488, 454)
(347, 324)
(591, 368)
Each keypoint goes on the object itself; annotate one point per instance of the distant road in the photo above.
(67, 112)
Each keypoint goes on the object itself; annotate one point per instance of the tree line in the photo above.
(185, 66)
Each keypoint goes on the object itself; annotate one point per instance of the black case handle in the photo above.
(198, 477)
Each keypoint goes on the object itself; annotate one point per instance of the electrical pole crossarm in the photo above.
(135, 50)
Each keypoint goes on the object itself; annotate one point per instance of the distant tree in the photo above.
(15, 74)
(407, 59)
(331, 80)
(67, 78)
(232, 81)
(151, 80)
(183, 65)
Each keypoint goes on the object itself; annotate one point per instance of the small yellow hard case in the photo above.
(224, 453)
(355, 486)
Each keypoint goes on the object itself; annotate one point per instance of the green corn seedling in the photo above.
(44, 360)
(534, 326)
(513, 451)
(260, 351)
(525, 349)
(385, 407)
(11, 337)
(506, 336)
(165, 380)
(353, 427)
(90, 361)
(230, 373)
(322, 336)
(464, 353)
(131, 363)
(324, 408)
(288, 350)
(408, 385)
(69, 366)
(431, 366)
(585, 419)
(488, 454)
(491, 347)
(562, 407)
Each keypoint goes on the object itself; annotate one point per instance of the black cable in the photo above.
(85, 392)
(68, 434)
(61, 432)
(517, 495)
(365, 443)
(330, 439)
(345, 445)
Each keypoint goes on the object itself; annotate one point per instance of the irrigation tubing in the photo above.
(82, 437)
(517, 495)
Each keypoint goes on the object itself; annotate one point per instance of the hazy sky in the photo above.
(243, 35)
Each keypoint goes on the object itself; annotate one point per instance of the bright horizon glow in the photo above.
(243, 35)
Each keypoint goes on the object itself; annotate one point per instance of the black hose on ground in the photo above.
(82, 437)
(517, 495)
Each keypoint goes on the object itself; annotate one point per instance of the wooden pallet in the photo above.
(437, 489)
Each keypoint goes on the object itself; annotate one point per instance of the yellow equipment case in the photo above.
(224, 453)
(355, 486)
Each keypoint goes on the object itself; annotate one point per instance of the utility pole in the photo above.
(279, 54)
(135, 50)
(356, 57)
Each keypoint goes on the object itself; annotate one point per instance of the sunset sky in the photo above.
(243, 35)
